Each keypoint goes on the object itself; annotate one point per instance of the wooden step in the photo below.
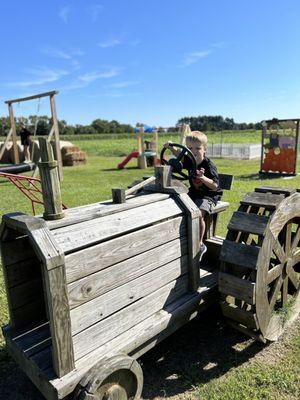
(236, 287)
(268, 200)
(239, 254)
(276, 190)
(246, 318)
(249, 223)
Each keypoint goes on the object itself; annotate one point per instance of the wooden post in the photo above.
(50, 182)
(296, 145)
(56, 136)
(118, 195)
(163, 176)
(142, 162)
(14, 134)
(2, 150)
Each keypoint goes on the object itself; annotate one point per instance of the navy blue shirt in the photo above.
(204, 192)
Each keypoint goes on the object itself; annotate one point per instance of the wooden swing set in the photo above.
(54, 132)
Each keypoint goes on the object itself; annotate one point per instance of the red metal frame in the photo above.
(30, 187)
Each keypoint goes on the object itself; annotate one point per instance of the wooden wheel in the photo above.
(260, 263)
(118, 378)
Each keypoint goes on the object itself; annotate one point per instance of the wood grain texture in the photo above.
(88, 261)
(103, 281)
(249, 223)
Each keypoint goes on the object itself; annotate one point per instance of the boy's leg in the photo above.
(202, 247)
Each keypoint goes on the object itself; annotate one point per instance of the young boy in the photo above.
(25, 141)
(204, 187)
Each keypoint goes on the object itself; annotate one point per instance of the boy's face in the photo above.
(197, 149)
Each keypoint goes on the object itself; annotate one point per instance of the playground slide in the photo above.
(17, 168)
(134, 154)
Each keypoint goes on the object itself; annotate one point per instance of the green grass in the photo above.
(93, 182)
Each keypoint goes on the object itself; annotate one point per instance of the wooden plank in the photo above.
(60, 324)
(102, 332)
(31, 370)
(246, 318)
(239, 254)
(98, 257)
(50, 182)
(101, 282)
(162, 176)
(16, 159)
(219, 207)
(36, 96)
(193, 214)
(101, 307)
(133, 189)
(249, 223)
(88, 212)
(31, 341)
(26, 292)
(246, 331)
(56, 136)
(177, 313)
(118, 195)
(22, 271)
(261, 199)
(3, 146)
(275, 190)
(239, 288)
(28, 313)
(57, 299)
(97, 230)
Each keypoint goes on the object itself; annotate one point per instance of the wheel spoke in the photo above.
(182, 174)
(288, 239)
(278, 250)
(295, 241)
(293, 276)
(284, 292)
(181, 155)
(275, 292)
(274, 273)
(296, 258)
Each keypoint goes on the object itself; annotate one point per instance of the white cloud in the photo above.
(124, 84)
(57, 53)
(194, 57)
(93, 76)
(41, 76)
(94, 11)
(109, 43)
(86, 79)
(64, 13)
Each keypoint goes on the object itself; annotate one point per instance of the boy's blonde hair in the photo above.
(197, 136)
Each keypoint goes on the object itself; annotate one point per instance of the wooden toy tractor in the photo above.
(91, 290)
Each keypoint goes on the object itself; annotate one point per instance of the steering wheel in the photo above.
(176, 163)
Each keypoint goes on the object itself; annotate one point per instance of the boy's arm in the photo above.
(200, 177)
(173, 149)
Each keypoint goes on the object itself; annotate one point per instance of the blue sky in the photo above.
(152, 61)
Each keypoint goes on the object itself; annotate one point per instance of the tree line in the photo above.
(41, 125)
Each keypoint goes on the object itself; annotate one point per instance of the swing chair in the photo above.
(12, 135)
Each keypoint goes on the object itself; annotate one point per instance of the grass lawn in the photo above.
(233, 377)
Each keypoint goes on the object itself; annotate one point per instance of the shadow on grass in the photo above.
(257, 177)
(202, 350)
(117, 169)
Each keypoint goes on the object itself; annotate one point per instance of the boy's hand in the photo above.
(168, 145)
(197, 180)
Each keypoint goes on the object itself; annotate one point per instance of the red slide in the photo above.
(134, 154)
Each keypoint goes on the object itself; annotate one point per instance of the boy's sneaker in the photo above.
(202, 250)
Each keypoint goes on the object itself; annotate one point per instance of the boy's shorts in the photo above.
(205, 204)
